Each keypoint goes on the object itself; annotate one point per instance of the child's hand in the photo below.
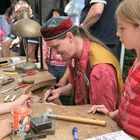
(24, 99)
(99, 108)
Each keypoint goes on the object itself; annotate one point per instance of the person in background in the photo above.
(91, 65)
(55, 63)
(73, 10)
(14, 46)
(9, 14)
(4, 4)
(9, 18)
(6, 126)
(98, 17)
(20, 7)
(2, 36)
(128, 114)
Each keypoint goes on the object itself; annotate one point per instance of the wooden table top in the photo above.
(63, 129)
(41, 79)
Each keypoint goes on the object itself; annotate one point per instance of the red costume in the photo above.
(129, 110)
(103, 79)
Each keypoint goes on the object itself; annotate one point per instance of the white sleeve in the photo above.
(100, 1)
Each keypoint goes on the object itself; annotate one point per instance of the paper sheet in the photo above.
(118, 135)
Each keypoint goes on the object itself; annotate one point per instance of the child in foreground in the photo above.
(128, 114)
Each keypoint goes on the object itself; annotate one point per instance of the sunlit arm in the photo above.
(93, 15)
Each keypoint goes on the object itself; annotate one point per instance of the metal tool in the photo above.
(13, 98)
(9, 70)
(24, 81)
(6, 90)
(20, 86)
(15, 88)
(7, 81)
(29, 73)
(6, 98)
(11, 73)
(4, 61)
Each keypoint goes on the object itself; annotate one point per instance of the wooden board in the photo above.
(42, 79)
(63, 128)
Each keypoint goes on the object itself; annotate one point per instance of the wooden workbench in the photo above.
(63, 129)
(42, 79)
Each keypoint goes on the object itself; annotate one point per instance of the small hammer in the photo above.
(76, 119)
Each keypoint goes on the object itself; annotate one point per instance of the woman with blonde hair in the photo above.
(128, 114)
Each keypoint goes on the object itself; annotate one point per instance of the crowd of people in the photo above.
(14, 44)
(82, 58)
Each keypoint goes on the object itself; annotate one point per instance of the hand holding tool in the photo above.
(49, 95)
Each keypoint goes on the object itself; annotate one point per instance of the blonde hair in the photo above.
(129, 10)
(22, 3)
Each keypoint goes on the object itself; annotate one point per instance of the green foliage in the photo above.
(129, 58)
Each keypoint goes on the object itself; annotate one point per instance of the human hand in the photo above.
(24, 99)
(51, 95)
(62, 82)
(99, 108)
(15, 42)
(6, 127)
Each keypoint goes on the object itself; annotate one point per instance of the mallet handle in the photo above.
(78, 119)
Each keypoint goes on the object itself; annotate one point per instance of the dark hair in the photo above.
(83, 33)
(9, 11)
(60, 11)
